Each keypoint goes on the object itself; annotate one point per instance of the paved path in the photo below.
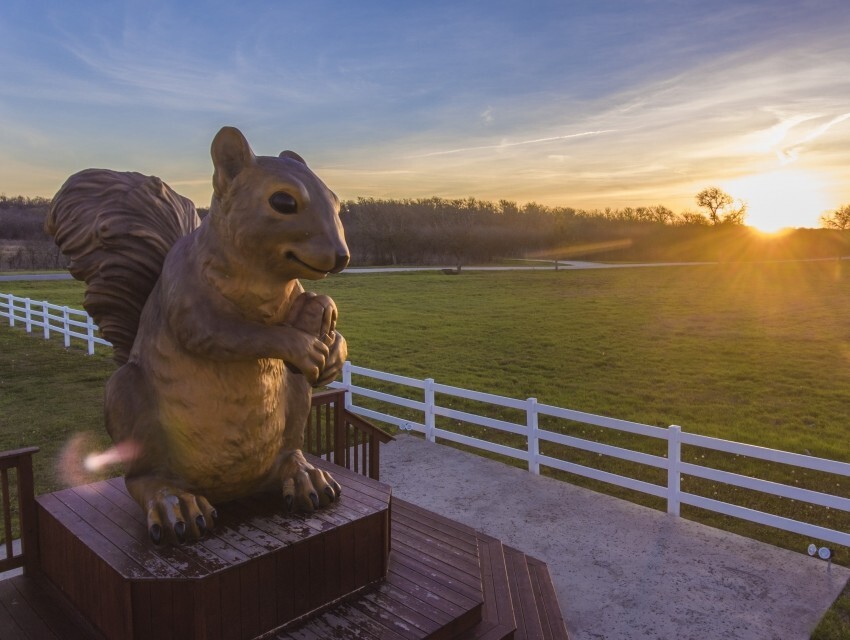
(622, 571)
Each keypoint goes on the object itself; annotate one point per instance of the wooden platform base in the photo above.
(258, 570)
(258, 575)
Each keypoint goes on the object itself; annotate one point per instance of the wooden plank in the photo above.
(82, 502)
(18, 621)
(10, 624)
(182, 609)
(422, 587)
(249, 597)
(347, 569)
(230, 598)
(346, 622)
(386, 618)
(283, 585)
(444, 563)
(411, 510)
(522, 594)
(208, 608)
(412, 560)
(315, 551)
(300, 576)
(91, 537)
(408, 618)
(462, 559)
(162, 609)
(192, 561)
(333, 566)
(266, 598)
(142, 615)
(554, 627)
(424, 606)
(466, 544)
(55, 613)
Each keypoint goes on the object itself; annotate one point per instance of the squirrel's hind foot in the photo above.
(305, 487)
(173, 514)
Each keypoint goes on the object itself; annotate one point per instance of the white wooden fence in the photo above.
(72, 323)
(430, 409)
(53, 319)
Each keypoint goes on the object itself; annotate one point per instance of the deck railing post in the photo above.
(66, 326)
(346, 382)
(26, 503)
(533, 437)
(430, 415)
(674, 459)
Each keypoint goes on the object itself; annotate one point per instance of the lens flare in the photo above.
(80, 464)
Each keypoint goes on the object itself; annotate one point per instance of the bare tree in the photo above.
(837, 219)
(715, 200)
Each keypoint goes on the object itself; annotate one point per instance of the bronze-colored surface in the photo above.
(218, 342)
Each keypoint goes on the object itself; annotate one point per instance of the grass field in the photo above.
(756, 353)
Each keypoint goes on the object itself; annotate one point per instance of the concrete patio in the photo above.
(622, 571)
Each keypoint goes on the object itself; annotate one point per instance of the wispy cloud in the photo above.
(507, 145)
(790, 154)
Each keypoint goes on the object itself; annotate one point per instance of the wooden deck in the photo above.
(443, 580)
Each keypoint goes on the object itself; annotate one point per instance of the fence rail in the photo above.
(52, 319)
(534, 435)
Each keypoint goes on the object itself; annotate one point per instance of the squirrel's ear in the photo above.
(230, 154)
(293, 155)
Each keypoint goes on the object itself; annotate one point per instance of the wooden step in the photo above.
(536, 606)
(519, 599)
(497, 615)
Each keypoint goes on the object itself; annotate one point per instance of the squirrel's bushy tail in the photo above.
(116, 228)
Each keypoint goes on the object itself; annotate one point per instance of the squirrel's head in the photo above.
(274, 212)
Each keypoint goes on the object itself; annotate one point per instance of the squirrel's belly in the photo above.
(225, 434)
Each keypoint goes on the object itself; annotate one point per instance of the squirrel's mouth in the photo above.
(289, 255)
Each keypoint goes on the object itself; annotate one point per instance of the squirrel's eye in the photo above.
(282, 202)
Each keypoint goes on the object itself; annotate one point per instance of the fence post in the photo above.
(45, 320)
(66, 327)
(12, 310)
(28, 314)
(346, 382)
(90, 334)
(430, 416)
(674, 459)
(533, 437)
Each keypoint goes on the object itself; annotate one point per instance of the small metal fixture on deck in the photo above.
(824, 553)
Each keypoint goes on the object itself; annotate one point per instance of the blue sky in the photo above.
(584, 104)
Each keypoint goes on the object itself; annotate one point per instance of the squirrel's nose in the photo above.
(341, 262)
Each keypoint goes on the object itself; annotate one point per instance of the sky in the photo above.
(569, 103)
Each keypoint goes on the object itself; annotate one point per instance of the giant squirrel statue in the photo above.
(218, 344)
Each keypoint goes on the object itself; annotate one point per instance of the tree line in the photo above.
(463, 231)
(441, 231)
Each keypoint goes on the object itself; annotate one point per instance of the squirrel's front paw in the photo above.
(173, 515)
(305, 487)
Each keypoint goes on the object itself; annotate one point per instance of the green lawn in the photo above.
(755, 353)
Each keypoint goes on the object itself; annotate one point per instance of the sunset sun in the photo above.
(780, 199)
